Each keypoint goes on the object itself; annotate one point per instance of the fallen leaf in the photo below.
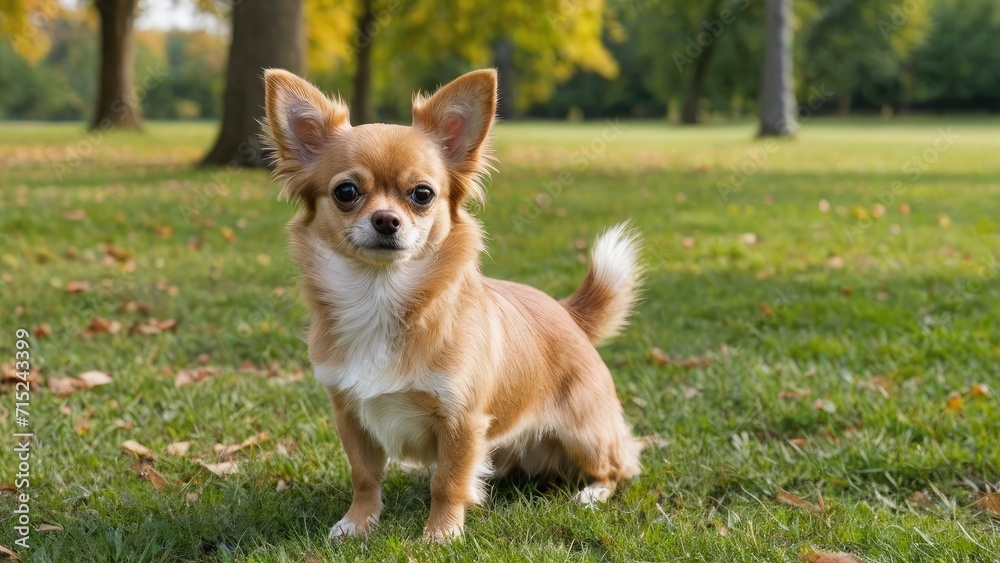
(979, 391)
(835, 262)
(203, 359)
(222, 469)
(785, 497)
(829, 557)
(138, 450)
(824, 206)
(798, 442)
(118, 254)
(194, 375)
(794, 393)
(688, 243)
(691, 392)
(282, 485)
(659, 357)
(42, 331)
(846, 291)
(192, 497)
(144, 468)
(228, 234)
(904, 208)
(100, 325)
(944, 220)
(151, 327)
(878, 210)
(990, 502)
(165, 231)
(955, 403)
(884, 385)
(223, 451)
(178, 449)
(44, 528)
(74, 214)
(696, 363)
(9, 554)
(94, 378)
(920, 498)
(766, 309)
(748, 239)
(78, 286)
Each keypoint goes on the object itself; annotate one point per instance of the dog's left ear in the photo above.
(459, 117)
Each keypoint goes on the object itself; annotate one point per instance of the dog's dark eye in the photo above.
(422, 195)
(346, 193)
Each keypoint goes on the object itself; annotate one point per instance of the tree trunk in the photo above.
(361, 105)
(117, 107)
(266, 34)
(503, 60)
(690, 111)
(778, 109)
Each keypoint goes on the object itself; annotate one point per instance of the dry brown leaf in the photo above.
(748, 239)
(74, 214)
(152, 327)
(144, 468)
(228, 234)
(194, 375)
(659, 357)
(79, 286)
(63, 386)
(178, 449)
(798, 442)
(829, 557)
(920, 498)
(223, 451)
(165, 231)
(955, 404)
(696, 363)
(222, 469)
(794, 393)
(100, 325)
(9, 554)
(118, 254)
(42, 331)
(138, 450)
(990, 502)
(44, 528)
(785, 497)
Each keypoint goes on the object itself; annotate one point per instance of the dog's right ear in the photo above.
(300, 119)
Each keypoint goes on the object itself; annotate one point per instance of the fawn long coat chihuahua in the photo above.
(426, 359)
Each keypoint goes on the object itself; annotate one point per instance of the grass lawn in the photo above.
(830, 313)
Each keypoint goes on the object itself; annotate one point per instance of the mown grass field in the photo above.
(830, 333)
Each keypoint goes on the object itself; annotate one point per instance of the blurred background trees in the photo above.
(686, 60)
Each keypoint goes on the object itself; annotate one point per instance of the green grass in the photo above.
(816, 303)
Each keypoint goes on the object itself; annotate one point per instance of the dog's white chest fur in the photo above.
(370, 304)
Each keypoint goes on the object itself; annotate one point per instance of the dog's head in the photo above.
(381, 193)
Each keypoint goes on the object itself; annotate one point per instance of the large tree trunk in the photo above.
(778, 109)
(117, 107)
(361, 104)
(266, 34)
(503, 60)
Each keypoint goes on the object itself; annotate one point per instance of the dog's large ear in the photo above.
(300, 121)
(459, 117)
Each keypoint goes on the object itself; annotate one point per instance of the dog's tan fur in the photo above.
(475, 375)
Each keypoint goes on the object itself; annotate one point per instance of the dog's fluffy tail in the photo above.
(602, 304)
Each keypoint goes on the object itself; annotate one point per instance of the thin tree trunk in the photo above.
(266, 34)
(361, 105)
(691, 109)
(503, 60)
(778, 109)
(116, 108)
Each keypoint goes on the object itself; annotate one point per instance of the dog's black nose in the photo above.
(385, 222)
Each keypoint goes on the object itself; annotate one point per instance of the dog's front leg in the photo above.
(462, 463)
(367, 460)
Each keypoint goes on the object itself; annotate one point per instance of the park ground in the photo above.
(817, 352)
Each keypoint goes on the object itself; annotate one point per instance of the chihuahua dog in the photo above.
(425, 359)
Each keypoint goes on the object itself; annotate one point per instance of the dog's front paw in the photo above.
(592, 495)
(347, 528)
(443, 534)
